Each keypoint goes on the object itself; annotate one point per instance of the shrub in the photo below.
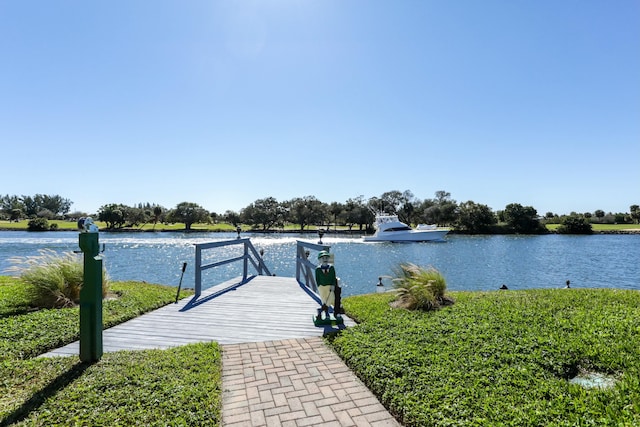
(420, 288)
(575, 225)
(38, 224)
(54, 280)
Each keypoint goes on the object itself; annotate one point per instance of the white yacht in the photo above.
(390, 229)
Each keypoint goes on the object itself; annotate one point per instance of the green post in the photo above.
(91, 299)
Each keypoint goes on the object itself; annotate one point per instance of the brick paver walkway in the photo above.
(294, 382)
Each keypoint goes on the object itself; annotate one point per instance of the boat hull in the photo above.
(407, 236)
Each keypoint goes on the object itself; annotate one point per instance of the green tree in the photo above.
(391, 201)
(263, 213)
(442, 196)
(448, 212)
(441, 210)
(11, 204)
(30, 206)
(475, 218)
(574, 224)
(113, 215)
(15, 214)
(157, 213)
(634, 210)
(622, 218)
(357, 212)
(522, 219)
(376, 204)
(432, 215)
(407, 211)
(189, 213)
(599, 214)
(336, 210)
(136, 216)
(403, 204)
(305, 211)
(56, 204)
(231, 217)
(420, 210)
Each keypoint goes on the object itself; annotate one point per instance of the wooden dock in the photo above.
(265, 308)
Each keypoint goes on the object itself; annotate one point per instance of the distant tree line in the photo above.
(38, 206)
(268, 214)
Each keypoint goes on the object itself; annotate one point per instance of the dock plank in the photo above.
(266, 308)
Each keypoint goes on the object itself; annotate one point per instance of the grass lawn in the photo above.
(602, 227)
(501, 358)
(180, 386)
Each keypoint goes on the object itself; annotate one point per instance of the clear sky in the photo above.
(222, 103)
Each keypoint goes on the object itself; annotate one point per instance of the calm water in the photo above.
(467, 262)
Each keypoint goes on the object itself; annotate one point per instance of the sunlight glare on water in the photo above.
(467, 262)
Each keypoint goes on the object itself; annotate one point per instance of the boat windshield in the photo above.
(405, 228)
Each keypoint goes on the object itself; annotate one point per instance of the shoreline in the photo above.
(315, 232)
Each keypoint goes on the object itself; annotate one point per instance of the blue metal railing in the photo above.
(250, 255)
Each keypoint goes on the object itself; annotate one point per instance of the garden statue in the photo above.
(328, 288)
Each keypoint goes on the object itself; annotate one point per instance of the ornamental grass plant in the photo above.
(53, 280)
(419, 288)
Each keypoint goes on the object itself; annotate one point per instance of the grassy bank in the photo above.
(501, 358)
(603, 228)
(219, 227)
(173, 387)
(72, 226)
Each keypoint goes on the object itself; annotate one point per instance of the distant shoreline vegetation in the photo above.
(64, 225)
(308, 215)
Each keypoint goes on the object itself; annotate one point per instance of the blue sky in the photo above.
(222, 103)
